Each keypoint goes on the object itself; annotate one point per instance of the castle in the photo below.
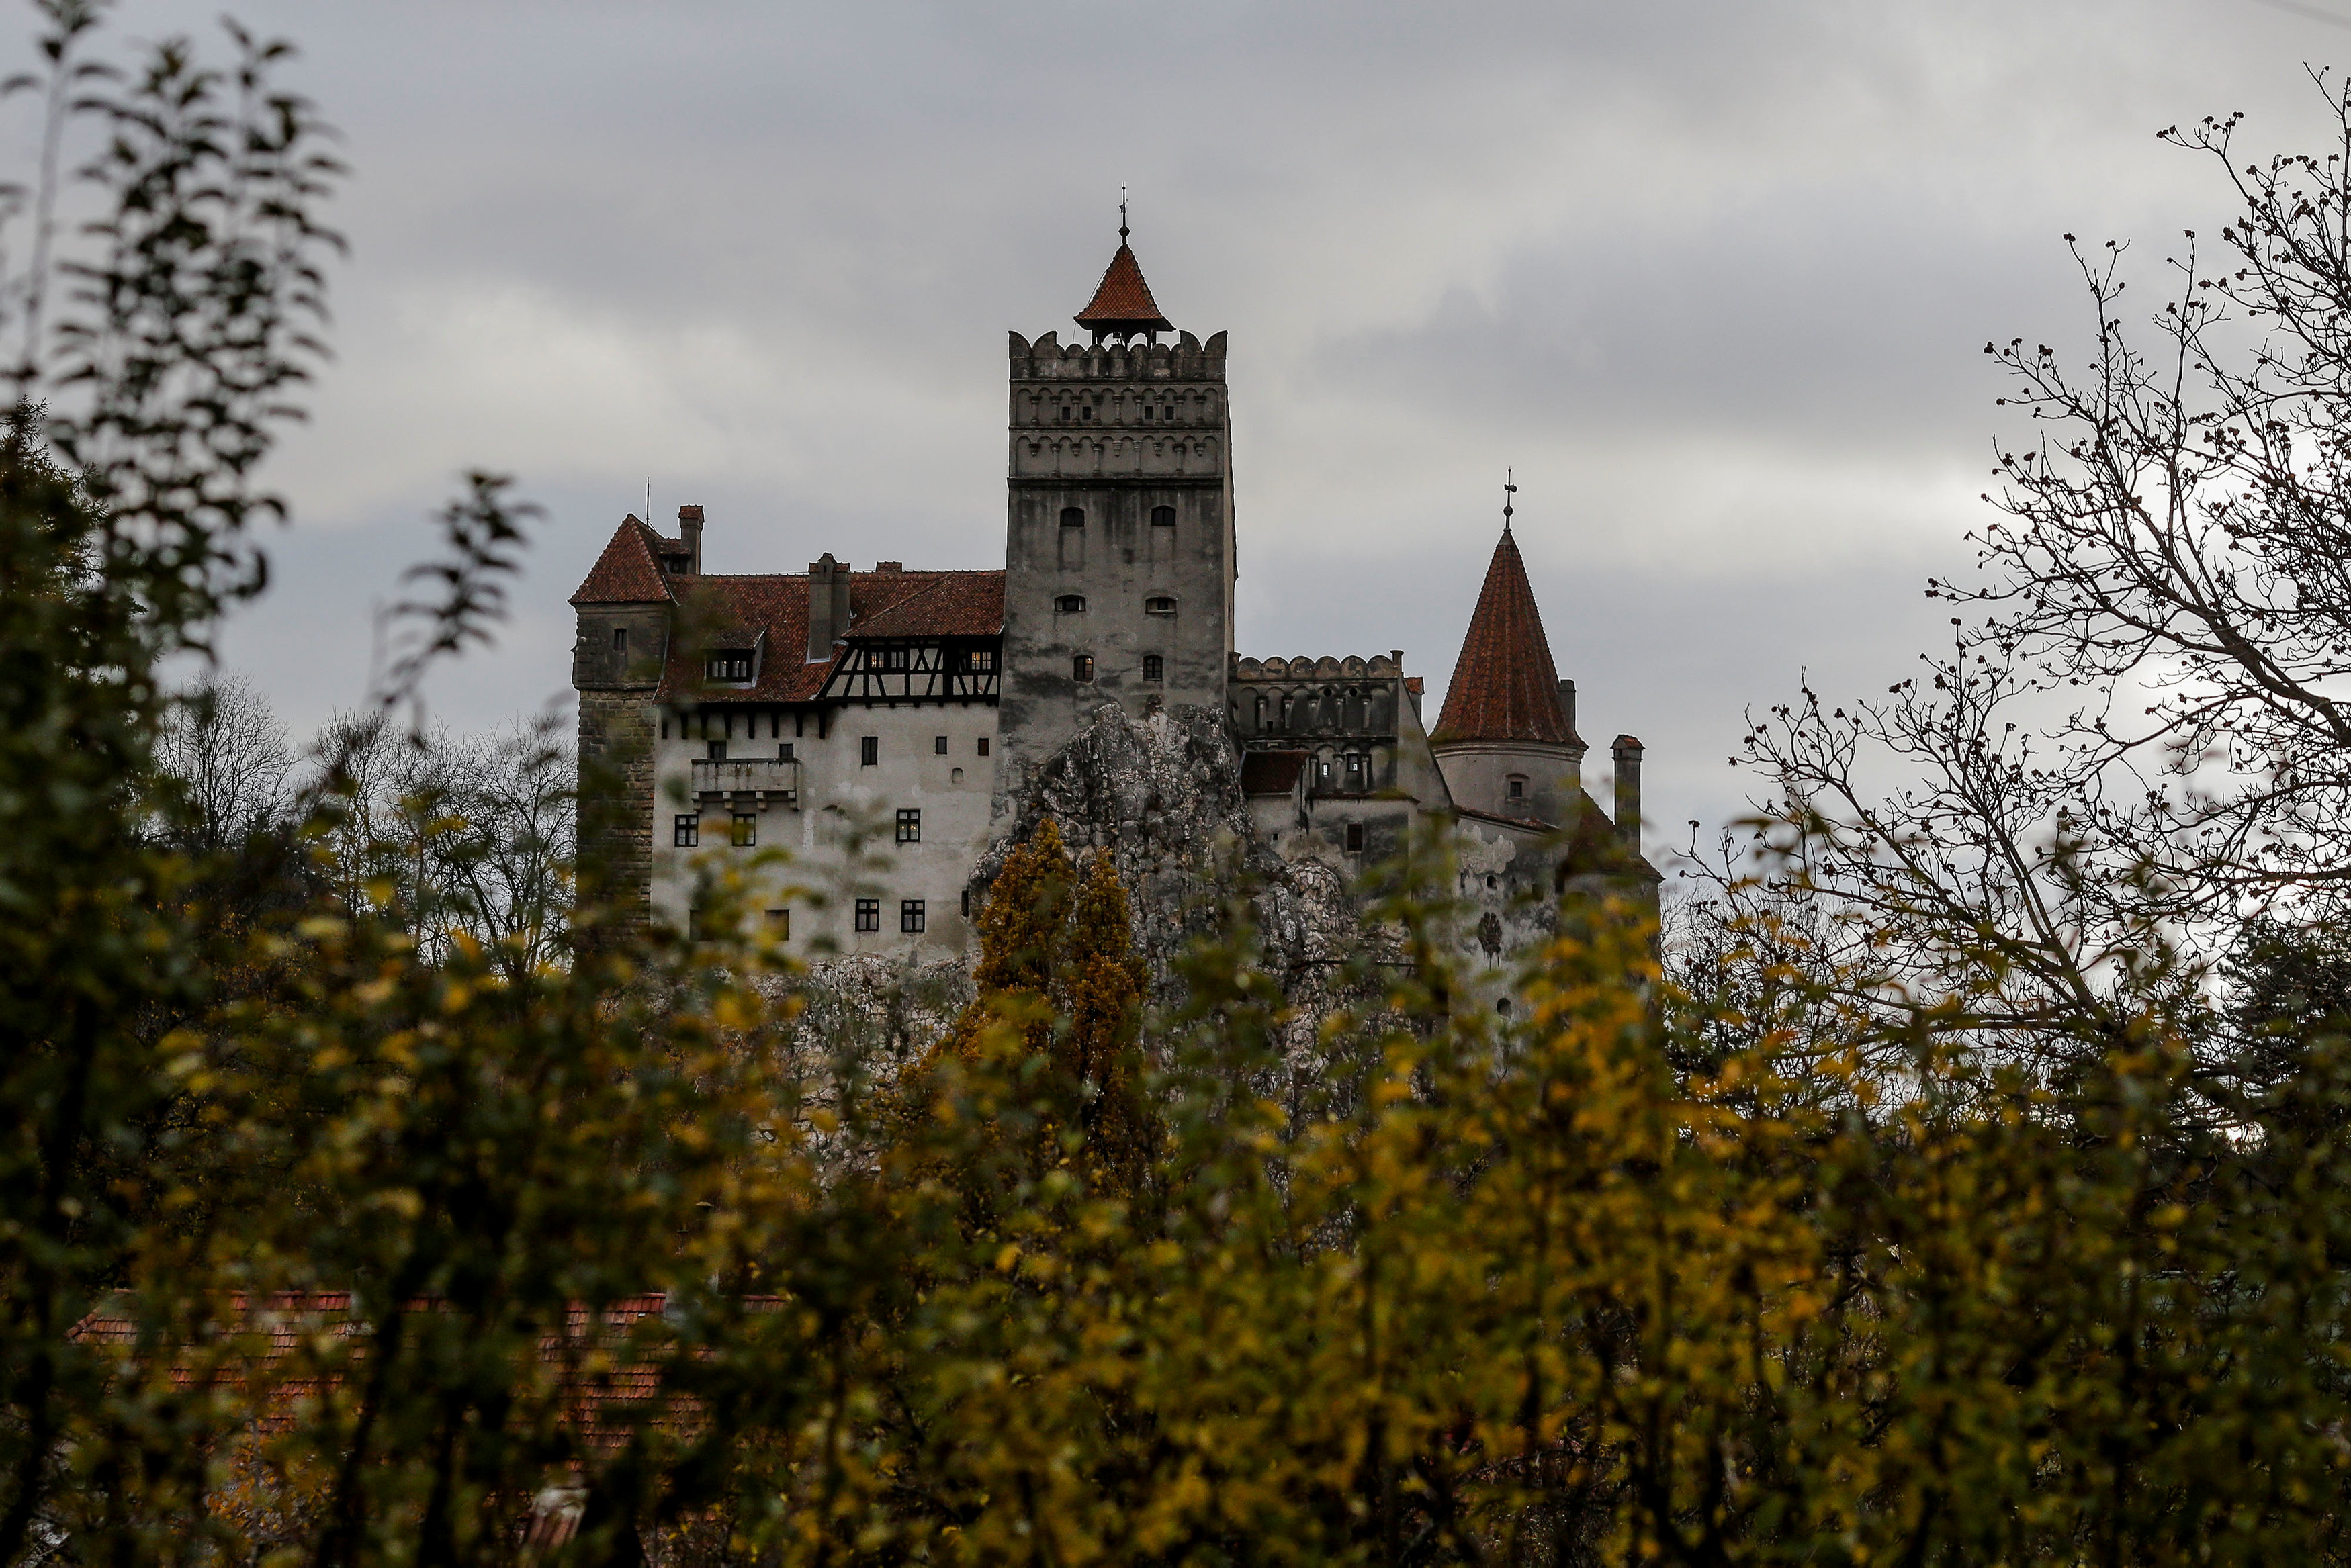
(722, 711)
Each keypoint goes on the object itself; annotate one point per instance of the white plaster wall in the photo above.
(837, 791)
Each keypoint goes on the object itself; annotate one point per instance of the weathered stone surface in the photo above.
(1162, 793)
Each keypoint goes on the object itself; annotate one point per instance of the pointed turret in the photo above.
(1505, 686)
(1123, 306)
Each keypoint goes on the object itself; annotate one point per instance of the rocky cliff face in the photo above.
(1162, 793)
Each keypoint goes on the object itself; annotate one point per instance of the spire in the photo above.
(1505, 686)
(1123, 306)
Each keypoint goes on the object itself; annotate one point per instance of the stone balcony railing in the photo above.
(769, 780)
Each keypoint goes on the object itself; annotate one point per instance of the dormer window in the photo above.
(1070, 603)
(1159, 603)
(729, 664)
(675, 566)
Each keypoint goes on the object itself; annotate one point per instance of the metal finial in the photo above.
(1121, 214)
(1508, 490)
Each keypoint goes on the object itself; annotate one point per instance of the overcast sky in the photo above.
(1713, 279)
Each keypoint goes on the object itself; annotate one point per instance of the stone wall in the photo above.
(616, 801)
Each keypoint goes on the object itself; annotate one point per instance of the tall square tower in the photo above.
(1118, 557)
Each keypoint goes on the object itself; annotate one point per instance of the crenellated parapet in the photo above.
(1186, 359)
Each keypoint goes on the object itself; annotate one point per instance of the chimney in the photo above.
(1567, 712)
(689, 528)
(828, 606)
(888, 565)
(1628, 787)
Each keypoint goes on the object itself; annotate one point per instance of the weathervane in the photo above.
(1508, 490)
(1121, 214)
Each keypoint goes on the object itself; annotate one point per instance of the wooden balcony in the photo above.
(765, 780)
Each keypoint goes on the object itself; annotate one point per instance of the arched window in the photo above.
(1159, 603)
(1073, 517)
(1070, 603)
(1163, 517)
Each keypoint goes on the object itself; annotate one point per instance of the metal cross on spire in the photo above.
(1121, 214)
(1508, 490)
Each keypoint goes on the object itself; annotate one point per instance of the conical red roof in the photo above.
(1505, 686)
(1124, 302)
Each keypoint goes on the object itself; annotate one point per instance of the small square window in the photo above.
(779, 924)
(715, 751)
(1082, 669)
(910, 914)
(983, 745)
(939, 745)
(1155, 667)
(745, 831)
(869, 750)
(1517, 789)
(685, 830)
(869, 914)
(910, 825)
(784, 752)
(1355, 836)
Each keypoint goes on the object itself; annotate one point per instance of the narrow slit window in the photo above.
(620, 639)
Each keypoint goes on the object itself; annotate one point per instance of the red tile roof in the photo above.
(629, 571)
(1271, 772)
(1123, 299)
(1505, 686)
(881, 604)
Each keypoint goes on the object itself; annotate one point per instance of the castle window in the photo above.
(954, 775)
(1073, 517)
(1517, 787)
(1260, 722)
(746, 830)
(1159, 603)
(1155, 667)
(685, 830)
(1146, 411)
(1285, 709)
(983, 745)
(910, 825)
(938, 745)
(620, 639)
(981, 659)
(967, 900)
(1163, 517)
(729, 664)
(784, 752)
(1070, 603)
(715, 751)
(1355, 837)
(869, 914)
(869, 750)
(779, 924)
(1082, 668)
(896, 658)
(1065, 413)
(911, 916)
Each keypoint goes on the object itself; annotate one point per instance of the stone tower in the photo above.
(1118, 558)
(1507, 740)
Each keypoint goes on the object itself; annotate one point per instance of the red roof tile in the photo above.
(1505, 686)
(1271, 772)
(1123, 299)
(881, 604)
(629, 571)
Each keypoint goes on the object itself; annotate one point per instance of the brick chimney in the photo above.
(689, 528)
(1628, 787)
(828, 606)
